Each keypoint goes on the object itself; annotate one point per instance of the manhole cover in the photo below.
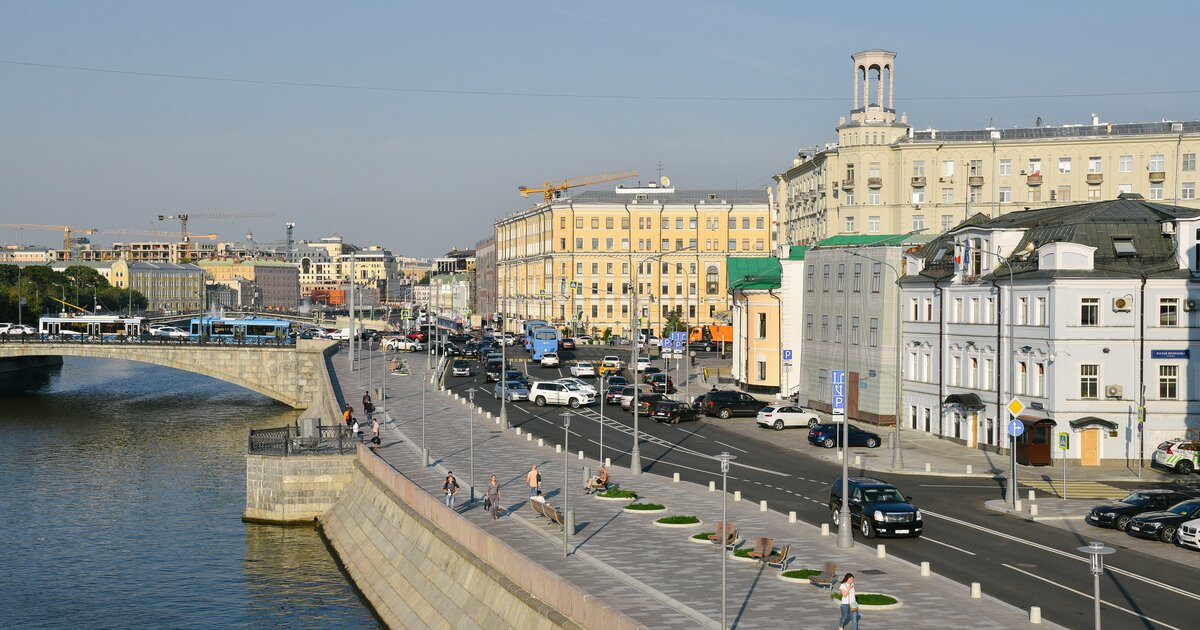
(872, 572)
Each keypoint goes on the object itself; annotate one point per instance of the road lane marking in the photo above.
(938, 542)
(1092, 597)
(939, 485)
(731, 446)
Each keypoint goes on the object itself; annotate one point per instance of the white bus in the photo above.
(103, 327)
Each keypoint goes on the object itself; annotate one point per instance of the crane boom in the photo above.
(183, 219)
(553, 189)
(66, 230)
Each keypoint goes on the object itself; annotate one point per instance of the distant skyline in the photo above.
(410, 125)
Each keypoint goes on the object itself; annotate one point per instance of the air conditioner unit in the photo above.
(1168, 228)
(1114, 391)
(1122, 304)
(1191, 304)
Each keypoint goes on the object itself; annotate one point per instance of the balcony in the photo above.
(847, 184)
(1095, 178)
(1157, 177)
(918, 182)
(975, 181)
(1034, 180)
(875, 182)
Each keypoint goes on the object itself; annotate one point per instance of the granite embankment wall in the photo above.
(294, 490)
(424, 566)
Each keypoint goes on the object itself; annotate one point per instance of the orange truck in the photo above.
(715, 334)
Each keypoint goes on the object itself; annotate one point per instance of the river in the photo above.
(121, 492)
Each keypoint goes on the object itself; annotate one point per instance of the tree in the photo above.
(674, 322)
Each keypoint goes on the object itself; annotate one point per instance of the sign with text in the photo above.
(1169, 354)
(838, 379)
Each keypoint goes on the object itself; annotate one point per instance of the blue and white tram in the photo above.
(253, 329)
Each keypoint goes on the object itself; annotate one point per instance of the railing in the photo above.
(143, 340)
(286, 441)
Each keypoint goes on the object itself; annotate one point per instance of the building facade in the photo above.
(757, 323)
(168, 287)
(485, 278)
(274, 285)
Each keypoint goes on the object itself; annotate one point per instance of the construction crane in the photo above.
(183, 219)
(66, 230)
(552, 190)
(156, 233)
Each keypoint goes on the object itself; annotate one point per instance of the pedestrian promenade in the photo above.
(656, 575)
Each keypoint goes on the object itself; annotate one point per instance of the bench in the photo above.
(779, 558)
(762, 548)
(827, 577)
(548, 511)
(726, 533)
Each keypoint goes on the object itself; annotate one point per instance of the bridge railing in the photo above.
(286, 441)
(147, 340)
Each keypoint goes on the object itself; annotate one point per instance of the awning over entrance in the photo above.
(1031, 417)
(1092, 422)
(970, 402)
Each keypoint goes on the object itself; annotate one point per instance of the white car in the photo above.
(781, 417)
(550, 359)
(583, 368)
(399, 344)
(544, 393)
(642, 363)
(1188, 534)
(509, 339)
(341, 334)
(169, 331)
(582, 385)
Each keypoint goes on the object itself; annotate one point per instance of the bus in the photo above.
(529, 326)
(102, 327)
(250, 329)
(543, 339)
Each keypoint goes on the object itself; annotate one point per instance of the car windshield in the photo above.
(514, 385)
(889, 495)
(1135, 498)
(1185, 508)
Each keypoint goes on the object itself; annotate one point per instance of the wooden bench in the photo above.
(725, 533)
(827, 577)
(762, 548)
(548, 511)
(779, 558)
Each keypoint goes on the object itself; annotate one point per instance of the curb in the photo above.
(898, 603)
(662, 511)
(681, 525)
(1004, 508)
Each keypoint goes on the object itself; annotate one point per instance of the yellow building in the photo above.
(883, 177)
(574, 260)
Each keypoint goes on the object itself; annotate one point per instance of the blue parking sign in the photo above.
(838, 380)
(787, 355)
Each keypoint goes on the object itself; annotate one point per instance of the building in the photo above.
(168, 287)
(882, 176)
(24, 254)
(1087, 314)
(273, 285)
(325, 270)
(455, 261)
(577, 260)
(452, 295)
(757, 306)
(485, 278)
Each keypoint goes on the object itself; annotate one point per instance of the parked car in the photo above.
(583, 339)
(779, 417)
(1119, 514)
(662, 383)
(702, 346)
(342, 334)
(460, 368)
(566, 344)
(1189, 534)
(1182, 456)
(626, 397)
(417, 335)
(616, 379)
(161, 331)
(726, 404)
(583, 368)
(550, 359)
(1162, 525)
(877, 508)
(402, 344)
(514, 390)
(698, 402)
(645, 402)
(829, 435)
(544, 393)
(673, 412)
(649, 371)
(642, 364)
(585, 386)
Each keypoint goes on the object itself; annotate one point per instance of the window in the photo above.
(678, 223)
(745, 244)
(1089, 312)
(825, 278)
(1039, 311)
(1123, 246)
(956, 314)
(595, 244)
(1005, 167)
(947, 222)
(873, 339)
(1064, 194)
(1039, 379)
(975, 194)
(849, 199)
(1035, 166)
(733, 245)
(1157, 163)
(608, 223)
(762, 370)
(973, 372)
(759, 245)
(745, 223)
(824, 328)
(624, 223)
(849, 224)
(1168, 312)
(850, 172)
(711, 280)
(841, 277)
(1021, 378)
(1094, 165)
(595, 310)
(1125, 164)
(666, 223)
(916, 310)
(595, 267)
(1064, 165)
(1189, 161)
(595, 223)
(837, 330)
(918, 222)
(854, 330)
(608, 268)
(873, 170)
(1022, 311)
(666, 245)
(874, 198)
(732, 223)
(918, 195)
(1094, 194)
(1189, 191)
(928, 302)
(759, 223)
(955, 374)
(579, 268)
(1156, 191)
(873, 224)
(947, 195)
(985, 376)
(691, 223)
(876, 274)
(857, 277)
(808, 326)
(579, 243)
(595, 288)
(1168, 382)
(918, 168)
(948, 168)
(608, 288)
(1005, 195)
(1035, 194)
(808, 278)
(579, 223)
(624, 244)
(608, 244)
(975, 168)
(1089, 381)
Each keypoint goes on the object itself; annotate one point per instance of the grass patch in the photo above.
(703, 535)
(645, 506)
(803, 574)
(744, 552)
(617, 493)
(678, 520)
(869, 599)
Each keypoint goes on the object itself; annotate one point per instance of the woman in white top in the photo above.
(849, 620)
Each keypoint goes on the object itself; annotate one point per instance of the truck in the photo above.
(715, 334)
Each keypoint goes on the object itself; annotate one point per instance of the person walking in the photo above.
(358, 431)
(368, 405)
(534, 480)
(849, 607)
(491, 500)
(451, 489)
(348, 415)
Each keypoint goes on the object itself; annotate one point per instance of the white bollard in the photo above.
(528, 437)
(1035, 614)
(541, 442)
(762, 505)
(792, 516)
(970, 469)
(880, 551)
(580, 454)
(518, 430)
(858, 460)
(928, 467)
(840, 455)
(737, 495)
(712, 486)
(1033, 510)
(1018, 505)
(489, 415)
(1032, 496)
(675, 477)
(824, 529)
(608, 462)
(558, 448)
(497, 420)
(924, 569)
(976, 592)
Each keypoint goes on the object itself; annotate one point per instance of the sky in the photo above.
(410, 125)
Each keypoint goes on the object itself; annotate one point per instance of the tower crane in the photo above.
(183, 219)
(552, 190)
(66, 230)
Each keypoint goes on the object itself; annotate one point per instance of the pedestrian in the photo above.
(534, 480)
(451, 489)
(849, 607)
(348, 414)
(357, 431)
(375, 430)
(368, 405)
(491, 500)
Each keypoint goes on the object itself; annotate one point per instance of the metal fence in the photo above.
(286, 441)
(147, 339)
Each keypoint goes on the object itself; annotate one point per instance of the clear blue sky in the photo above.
(425, 159)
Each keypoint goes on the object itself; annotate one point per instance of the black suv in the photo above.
(493, 369)
(724, 404)
(672, 412)
(877, 508)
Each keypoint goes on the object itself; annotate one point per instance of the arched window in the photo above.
(305, 266)
(712, 280)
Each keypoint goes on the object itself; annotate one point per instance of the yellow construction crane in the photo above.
(157, 233)
(183, 221)
(66, 230)
(552, 190)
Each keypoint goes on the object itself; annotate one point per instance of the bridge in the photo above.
(295, 375)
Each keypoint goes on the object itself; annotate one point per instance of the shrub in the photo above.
(617, 493)
(803, 574)
(645, 506)
(869, 599)
(678, 520)
(702, 535)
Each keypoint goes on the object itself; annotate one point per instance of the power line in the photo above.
(580, 96)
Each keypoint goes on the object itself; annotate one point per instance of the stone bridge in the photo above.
(297, 376)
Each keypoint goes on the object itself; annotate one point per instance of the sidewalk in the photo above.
(655, 574)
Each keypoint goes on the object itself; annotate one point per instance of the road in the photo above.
(1022, 563)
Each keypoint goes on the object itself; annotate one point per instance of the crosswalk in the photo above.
(1075, 489)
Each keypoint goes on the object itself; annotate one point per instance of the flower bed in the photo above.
(678, 521)
(743, 554)
(871, 601)
(799, 576)
(646, 508)
(701, 538)
(616, 494)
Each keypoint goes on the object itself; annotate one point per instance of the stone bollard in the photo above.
(558, 448)
(824, 529)
(541, 442)
(976, 592)
(737, 495)
(858, 460)
(425, 457)
(924, 569)
(675, 477)
(1033, 509)
(570, 524)
(1032, 496)
(528, 437)
(762, 505)
(608, 462)
(1035, 614)
(880, 551)
(712, 486)
(928, 467)
(488, 415)
(581, 455)
(587, 472)
(970, 469)
(792, 516)
(840, 455)
(1018, 505)
(518, 430)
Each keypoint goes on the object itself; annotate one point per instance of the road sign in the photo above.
(1064, 441)
(1016, 428)
(787, 355)
(1015, 407)
(839, 418)
(1141, 414)
(574, 284)
(405, 314)
(838, 380)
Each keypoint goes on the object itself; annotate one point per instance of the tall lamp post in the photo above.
(725, 458)
(471, 433)
(897, 451)
(1096, 552)
(566, 416)
(424, 451)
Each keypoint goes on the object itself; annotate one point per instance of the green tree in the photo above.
(674, 323)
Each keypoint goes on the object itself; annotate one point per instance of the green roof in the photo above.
(861, 240)
(796, 252)
(750, 273)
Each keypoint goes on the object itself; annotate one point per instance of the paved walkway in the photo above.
(657, 575)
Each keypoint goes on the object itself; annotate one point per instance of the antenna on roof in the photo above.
(1039, 122)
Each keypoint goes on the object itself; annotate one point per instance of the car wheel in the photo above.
(779, 425)
(724, 414)
(837, 516)
(574, 403)
(867, 530)
(828, 443)
(1185, 467)
(812, 422)
(872, 442)
(1167, 534)
(1123, 523)
(540, 401)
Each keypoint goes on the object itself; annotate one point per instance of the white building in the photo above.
(1084, 313)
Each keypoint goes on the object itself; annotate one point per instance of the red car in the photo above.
(416, 335)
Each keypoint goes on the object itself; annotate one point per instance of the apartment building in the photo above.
(272, 284)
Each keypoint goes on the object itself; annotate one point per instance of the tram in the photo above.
(103, 327)
(251, 329)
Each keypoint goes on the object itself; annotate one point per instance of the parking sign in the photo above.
(838, 380)
(787, 355)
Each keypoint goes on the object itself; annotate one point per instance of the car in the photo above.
(448, 349)
(673, 412)
(566, 344)
(702, 346)
(1189, 534)
(583, 339)
(417, 335)
(544, 393)
(642, 364)
(646, 402)
(1182, 456)
(698, 402)
(460, 338)
(829, 435)
(727, 403)
(661, 383)
(370, 334)
(342, 334)
(1119, 514)
(550, 359)
(612, 394)
(877, 508)
(618, 340)
(650, 371)
(1162, 525)
(460, 368)
(585, 386)
(626, 396)
(4, 326)
(509, 339)
(779, 417)
(492, 354)
(516, 375)
(161, 331)
(402, 344)
(616, 379)
(21, 330)
(513, 390)
(492, 370)
(583, 368)
(471, 349)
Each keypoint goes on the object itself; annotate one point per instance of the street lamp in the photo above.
(1096, 551)
(566, 416)
(424, 451)
(471, 433)
(725, 458)
(897, 451)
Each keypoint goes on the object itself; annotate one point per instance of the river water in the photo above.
(121, 492)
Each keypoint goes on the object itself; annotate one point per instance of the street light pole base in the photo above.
(425, 457)
(845, 538)
(635, 462)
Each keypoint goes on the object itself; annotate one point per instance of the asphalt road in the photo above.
(1023, 563)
